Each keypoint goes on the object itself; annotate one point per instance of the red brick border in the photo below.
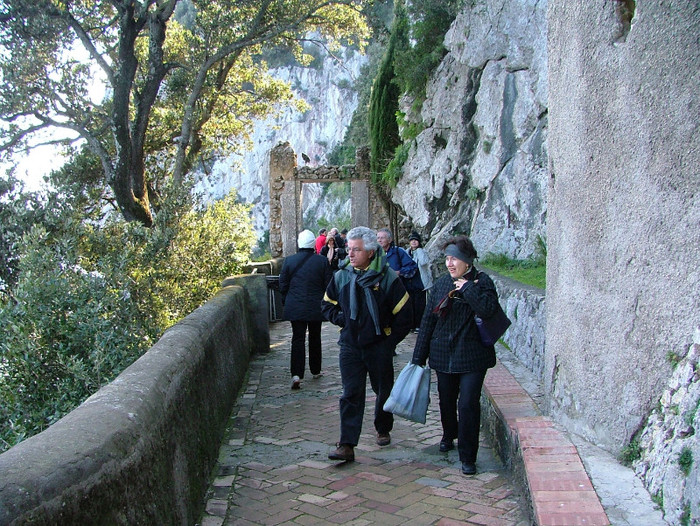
(560, 491)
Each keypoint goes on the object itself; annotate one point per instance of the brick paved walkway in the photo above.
(273, 466)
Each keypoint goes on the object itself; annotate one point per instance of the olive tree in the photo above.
(178, 77)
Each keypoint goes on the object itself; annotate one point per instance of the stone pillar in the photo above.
(359, 191)
(284, 201)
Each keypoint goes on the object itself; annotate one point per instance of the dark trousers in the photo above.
(355, 364)
(418, 299)
(298, 359)
(460, 394)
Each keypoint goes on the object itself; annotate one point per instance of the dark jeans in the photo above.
(355, 365)
(460, 394)
(418, 302)
(298, 359)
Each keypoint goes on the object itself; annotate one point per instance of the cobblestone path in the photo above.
(273, 467)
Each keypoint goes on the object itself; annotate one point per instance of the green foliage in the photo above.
(673, 358)
(384, 103)
(474, 193)
(686, 515)
(188, 79)
(421, 53)
(658, 499)
(541, 249)
(409, 130)
(394, 170)
(691, 415)
(631, 453)
(19, 210)
(92, 296)
(357, 133)
(529, 271)
(261, 252)
(685, 460)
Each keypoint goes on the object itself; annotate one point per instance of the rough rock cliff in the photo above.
(328, 89)
(479, 166)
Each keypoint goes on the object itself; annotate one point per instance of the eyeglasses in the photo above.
(354, 249)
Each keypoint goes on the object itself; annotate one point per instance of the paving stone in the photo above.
(274, 459)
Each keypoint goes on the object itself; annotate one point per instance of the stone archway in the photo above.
(285, 195)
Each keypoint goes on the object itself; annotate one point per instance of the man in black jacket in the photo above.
(303, 280)
(367, 299)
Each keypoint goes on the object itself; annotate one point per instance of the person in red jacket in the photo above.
(320, 240)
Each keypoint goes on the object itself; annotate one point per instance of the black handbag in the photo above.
(491, 329)
(413, 283)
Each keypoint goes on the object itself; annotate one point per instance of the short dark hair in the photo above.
(463, 243)
(322, 231)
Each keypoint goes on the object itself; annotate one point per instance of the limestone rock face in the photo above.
(669, 443)
(328, 89)
(479, 166)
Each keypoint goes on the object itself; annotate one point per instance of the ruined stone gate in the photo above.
(286, 181)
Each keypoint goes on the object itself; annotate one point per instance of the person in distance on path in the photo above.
(303, 280)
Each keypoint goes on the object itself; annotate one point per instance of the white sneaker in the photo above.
(296, 382)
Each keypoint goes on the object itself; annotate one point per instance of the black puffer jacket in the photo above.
(451, 338)
(303, 291)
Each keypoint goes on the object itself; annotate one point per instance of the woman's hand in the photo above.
(460, 283)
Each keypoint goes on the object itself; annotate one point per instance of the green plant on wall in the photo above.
(474, 193)
(395, 167)
(685, 516)
(419, 55)
(673, 358)
(631, 453)
(685, 460)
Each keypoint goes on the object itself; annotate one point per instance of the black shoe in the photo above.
(446, 445)
(383, 439)
(468, 468)
(344, 452)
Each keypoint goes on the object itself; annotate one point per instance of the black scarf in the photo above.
(367, 280)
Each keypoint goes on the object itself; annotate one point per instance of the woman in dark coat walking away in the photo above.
(303, 282)
(449, 336)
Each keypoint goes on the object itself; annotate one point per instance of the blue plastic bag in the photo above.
(411, 393)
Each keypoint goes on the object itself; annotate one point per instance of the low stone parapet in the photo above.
(525, 306)
(141, 449)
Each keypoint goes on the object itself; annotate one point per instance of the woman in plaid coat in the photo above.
(450, 339)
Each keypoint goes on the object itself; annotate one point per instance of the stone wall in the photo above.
(670, 445)
(623, 279)
(525, 307)
(141, 449)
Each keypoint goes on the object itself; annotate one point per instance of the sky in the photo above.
(32, 167)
